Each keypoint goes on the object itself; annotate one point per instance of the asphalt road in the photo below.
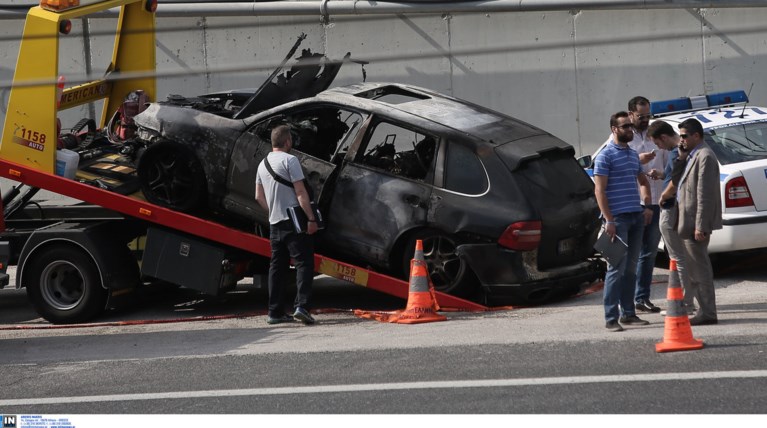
(159, 357)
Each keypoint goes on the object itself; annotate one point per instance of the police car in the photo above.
(737, 134)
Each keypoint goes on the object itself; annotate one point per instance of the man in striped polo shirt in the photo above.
(619, 181)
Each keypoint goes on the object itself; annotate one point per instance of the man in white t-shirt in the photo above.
(285, 241)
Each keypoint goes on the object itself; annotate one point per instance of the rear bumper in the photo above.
(739, 232)
(515, 273)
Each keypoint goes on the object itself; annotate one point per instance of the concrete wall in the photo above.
(565, 72)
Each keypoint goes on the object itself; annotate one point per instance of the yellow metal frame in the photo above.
(29, 133)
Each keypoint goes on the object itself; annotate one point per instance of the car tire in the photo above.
(64, 286)
(448, 272)
(172, 177)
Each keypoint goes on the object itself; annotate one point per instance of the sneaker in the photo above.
(613, 326)
(279, 319)
(633, 320)
(304, 316)
(646, 306)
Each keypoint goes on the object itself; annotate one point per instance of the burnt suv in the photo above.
(503, 208)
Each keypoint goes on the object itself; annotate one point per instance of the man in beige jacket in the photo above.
(700, 213)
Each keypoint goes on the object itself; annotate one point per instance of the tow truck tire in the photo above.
(448, 272)
(64, 285)
(172, 177)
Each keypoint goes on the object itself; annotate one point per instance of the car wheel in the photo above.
(172, 177)
(448, 272)
(64, 286)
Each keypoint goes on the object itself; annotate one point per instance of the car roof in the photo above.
(483, 123)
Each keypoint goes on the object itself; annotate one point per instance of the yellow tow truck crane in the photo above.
(30, 132)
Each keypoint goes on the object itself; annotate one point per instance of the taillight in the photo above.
(522, 235)
(736, 194)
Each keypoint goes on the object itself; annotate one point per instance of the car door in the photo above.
(318, 131)
(382, 190)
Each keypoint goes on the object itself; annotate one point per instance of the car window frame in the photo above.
(369, 129)
(365, 115)
(444, 170)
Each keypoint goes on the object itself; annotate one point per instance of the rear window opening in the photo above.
(392, 95)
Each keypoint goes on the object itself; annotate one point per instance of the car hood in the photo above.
(311, 74)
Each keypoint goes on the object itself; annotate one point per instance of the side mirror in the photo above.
(585, 161)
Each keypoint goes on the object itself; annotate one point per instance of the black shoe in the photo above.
(304, 316)
(279, 319)
(699, 320)
(634, 320)
(613, 326)
(646, 306)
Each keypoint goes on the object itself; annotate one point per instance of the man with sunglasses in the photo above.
(617, 171)
(700, 213)
(664, 136)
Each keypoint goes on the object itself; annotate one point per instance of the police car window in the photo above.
(400, 151)
(464, 172)
(739, 143)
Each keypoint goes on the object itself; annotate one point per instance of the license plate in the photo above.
(566, 246)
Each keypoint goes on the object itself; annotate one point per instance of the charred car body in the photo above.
(503, 208)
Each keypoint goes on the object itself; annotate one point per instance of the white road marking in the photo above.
(485, 383)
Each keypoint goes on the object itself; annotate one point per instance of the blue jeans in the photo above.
(650, 241)
(620, 279)
(286, 243)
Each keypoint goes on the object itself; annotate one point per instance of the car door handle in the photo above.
(415, 201)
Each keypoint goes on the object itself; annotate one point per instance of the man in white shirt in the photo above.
(286, 243)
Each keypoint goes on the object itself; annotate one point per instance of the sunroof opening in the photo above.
(392, 95)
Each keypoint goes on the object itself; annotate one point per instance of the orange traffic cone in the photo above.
(421, 302)
(678, 333)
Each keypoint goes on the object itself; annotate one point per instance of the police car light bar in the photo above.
(678, 105)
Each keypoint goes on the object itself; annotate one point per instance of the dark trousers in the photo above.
(286, 243)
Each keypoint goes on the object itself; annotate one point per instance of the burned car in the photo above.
(503, 208)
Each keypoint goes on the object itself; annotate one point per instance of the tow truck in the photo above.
(74, 260)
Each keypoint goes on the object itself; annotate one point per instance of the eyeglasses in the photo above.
(642, 116)
(682, 135)
(624, 126)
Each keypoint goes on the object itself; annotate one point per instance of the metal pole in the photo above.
(185, 8)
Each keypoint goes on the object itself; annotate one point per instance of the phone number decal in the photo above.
(29, 138)
(344, 272)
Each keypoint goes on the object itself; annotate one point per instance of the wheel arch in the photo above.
(116, 266)
(396, 259)
(466, 284)
(28, 254)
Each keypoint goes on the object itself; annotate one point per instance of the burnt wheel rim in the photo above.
(444, 265)
(170, 178)
(62, 285)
